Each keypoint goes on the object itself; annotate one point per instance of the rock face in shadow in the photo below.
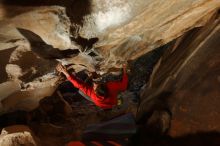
(186, 82)
(95, 35)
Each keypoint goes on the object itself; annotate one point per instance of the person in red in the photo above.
(103, 95)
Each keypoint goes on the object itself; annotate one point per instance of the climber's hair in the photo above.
(101, 90)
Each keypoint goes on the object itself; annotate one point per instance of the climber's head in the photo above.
(100, 89)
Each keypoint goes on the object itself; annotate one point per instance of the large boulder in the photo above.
(17, 135)
(186, 83)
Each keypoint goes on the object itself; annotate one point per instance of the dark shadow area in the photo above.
(154, 118)
(44, 50)
(4, 60)
(70, 52)
(142, 67)
(92, 54)
(51, 109)
(13, 118)
(76, 9)
(159, 103)
(86, 44)
(198, 139)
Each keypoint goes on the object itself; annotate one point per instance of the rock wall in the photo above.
(94, 35)
(186, 83)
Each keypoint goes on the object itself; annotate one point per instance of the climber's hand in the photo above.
(61, 68)
(124, 67)
(90, 74)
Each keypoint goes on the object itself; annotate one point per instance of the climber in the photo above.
(102, 95)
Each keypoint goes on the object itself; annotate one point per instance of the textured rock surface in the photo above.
(99, 36)
(186, 81)
(94, 35)
(17, 135)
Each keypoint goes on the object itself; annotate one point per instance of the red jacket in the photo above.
(113, 89)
